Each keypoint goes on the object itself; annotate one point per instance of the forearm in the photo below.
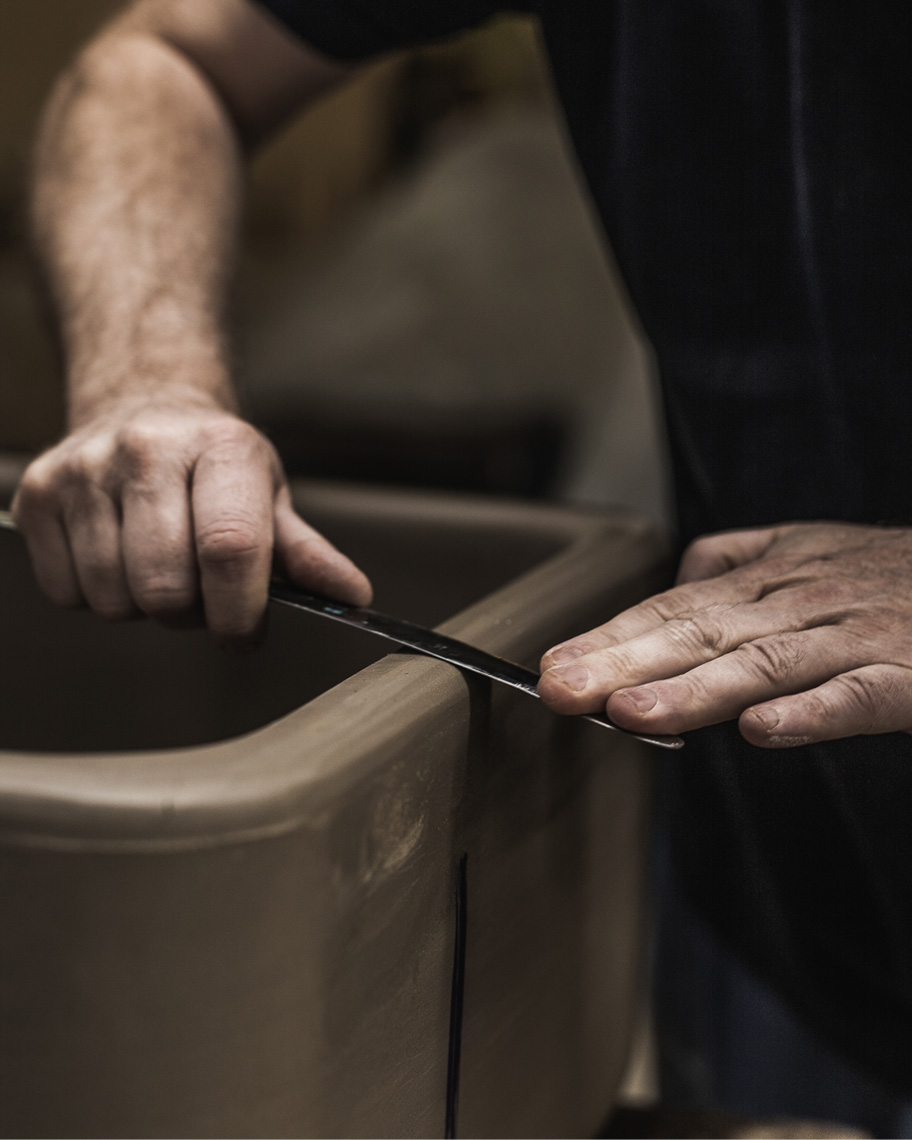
(161, 500)
(137, 189)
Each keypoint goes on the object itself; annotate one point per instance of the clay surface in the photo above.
(234, 889)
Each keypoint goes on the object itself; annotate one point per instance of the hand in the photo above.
(802, 631)
(154, 510)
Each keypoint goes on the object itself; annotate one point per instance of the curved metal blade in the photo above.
(439, 645)
(426, 641)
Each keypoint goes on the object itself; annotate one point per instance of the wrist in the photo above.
(115, 397)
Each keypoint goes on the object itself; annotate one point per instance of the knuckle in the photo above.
(615, 661)
(702, 634)
(37, 493)
(228, 433)
(139, 448)
(85, 464)
(814, 708)
(772, 659)
(863, 696)
(688, 692)
(566, 652)
(662, 607)
(228, 543)
(582, 646)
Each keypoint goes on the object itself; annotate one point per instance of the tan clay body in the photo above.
(230, 887)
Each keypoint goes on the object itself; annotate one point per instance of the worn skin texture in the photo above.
(176, 513)
(800, 631)
(161, 501)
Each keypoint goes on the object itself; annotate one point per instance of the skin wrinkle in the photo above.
(700, 635)
(822, 710)
(825, 651)
(680, 695)
(866, 696)
(779, 586)
(776, 659)
(137, 195)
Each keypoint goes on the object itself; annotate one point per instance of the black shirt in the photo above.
(747, 162)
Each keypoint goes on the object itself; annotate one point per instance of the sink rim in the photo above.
(259, 784)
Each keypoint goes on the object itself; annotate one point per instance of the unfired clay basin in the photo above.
(233, 890)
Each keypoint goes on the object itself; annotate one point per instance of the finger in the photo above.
(676, 647)
(158, 548)
(716, 554)
(306, 558)
(723, 688)
(232, 504)
(865, 701)
(49, 551)
(745, 584)
(93, 527)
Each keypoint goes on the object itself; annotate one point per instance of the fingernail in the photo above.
(768, 717)
(643, 699)
(564, 655)
(575, 677)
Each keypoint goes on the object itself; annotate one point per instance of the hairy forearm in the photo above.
(136, 192)
(161, 500)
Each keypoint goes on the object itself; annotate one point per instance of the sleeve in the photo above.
(353, 30)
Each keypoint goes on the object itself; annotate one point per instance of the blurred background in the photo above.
(422, 298)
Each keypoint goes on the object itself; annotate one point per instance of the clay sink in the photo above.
(324, 890)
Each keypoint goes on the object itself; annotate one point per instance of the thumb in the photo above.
(307, 559)
(716, 554)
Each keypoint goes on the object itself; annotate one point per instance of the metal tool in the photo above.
(434, 644)
(426, 641)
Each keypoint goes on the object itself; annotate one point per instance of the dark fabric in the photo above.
(726, 1039)
(747, 160)
(360, 28)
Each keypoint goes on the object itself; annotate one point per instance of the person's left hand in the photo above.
(802, 631)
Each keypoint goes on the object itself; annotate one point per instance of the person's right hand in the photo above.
(170, 511)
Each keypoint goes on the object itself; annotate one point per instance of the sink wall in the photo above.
(262, 934)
